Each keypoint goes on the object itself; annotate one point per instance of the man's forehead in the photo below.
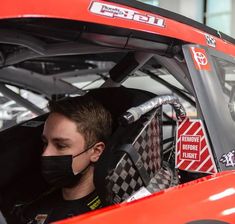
(58, 127)
(58, 121)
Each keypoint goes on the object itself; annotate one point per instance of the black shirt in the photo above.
(53, 207)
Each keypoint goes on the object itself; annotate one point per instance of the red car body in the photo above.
(200, 201)
(80, 11)
(210, 198)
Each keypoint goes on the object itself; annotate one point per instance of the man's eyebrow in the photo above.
(43, 137)
(61, 139)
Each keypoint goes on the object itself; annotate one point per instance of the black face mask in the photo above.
(57, 170)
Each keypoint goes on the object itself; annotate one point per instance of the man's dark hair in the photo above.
(93, 121)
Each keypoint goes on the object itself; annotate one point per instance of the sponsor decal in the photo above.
(193, 152)
(228, 159)
(210, 40)
(142, 192)
(95, 203)
(113, 11)
(200, 59)
(41, 218)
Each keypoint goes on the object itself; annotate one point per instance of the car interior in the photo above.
(133, 157)
(137, 154)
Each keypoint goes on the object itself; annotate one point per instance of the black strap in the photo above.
(137, 161)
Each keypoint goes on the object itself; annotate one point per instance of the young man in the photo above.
(74, 137)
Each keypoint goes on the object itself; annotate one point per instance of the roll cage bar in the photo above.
(19, 47)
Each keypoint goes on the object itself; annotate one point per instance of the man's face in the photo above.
(60, 137)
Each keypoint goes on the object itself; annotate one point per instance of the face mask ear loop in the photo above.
(84, 150)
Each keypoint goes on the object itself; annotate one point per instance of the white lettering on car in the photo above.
(124, 13)
(228, 159)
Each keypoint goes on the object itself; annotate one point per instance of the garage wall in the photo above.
(189, 8)
(219, 15)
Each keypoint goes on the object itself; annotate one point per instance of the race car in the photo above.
(168, 82)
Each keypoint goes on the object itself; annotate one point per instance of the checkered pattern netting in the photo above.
(148, 146)
(125, 179)
(163, 179)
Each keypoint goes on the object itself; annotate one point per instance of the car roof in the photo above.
(122, 14)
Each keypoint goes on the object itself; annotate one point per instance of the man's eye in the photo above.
(45, 143)
(61, 146)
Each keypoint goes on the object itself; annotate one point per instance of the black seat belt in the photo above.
(137, 161)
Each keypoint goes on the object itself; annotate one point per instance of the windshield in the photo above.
(16, 105)
(214, 85)
(226, 75)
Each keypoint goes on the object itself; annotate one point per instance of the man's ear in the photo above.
(97, 150)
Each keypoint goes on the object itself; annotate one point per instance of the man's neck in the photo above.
(84, 187)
